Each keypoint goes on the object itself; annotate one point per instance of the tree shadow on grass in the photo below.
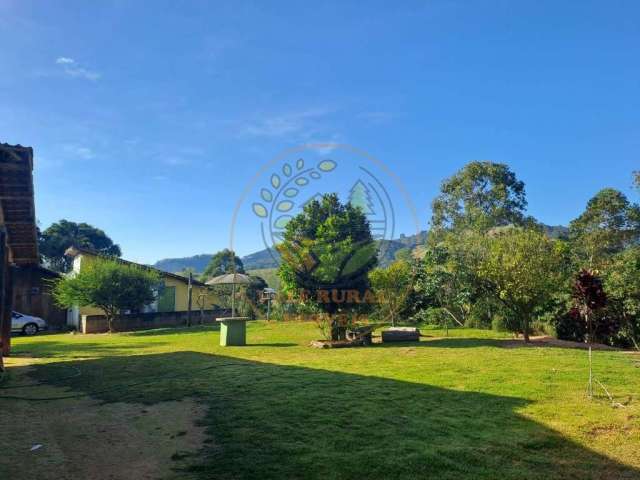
(174, 330)
(269, 421)
(55, 348)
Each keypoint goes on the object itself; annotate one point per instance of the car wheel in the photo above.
(30, 329)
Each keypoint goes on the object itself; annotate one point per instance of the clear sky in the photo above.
(149, 118)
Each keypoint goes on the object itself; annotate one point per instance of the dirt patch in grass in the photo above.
(83, 438)
(545, 341)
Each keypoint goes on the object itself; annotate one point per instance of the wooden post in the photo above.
(268, 307)
(7, 298)
(233, 298)
(190, 299)
(202, 298)
(3, 269)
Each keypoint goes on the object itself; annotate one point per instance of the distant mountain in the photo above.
(175, 265)
(389, 248)
(558, 231)
(254, 261)
(268, 258)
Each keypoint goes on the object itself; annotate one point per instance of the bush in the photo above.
(606, 328)
(570, 326)
(505, 322)
(431, 316)
(497, 324)
(540, 327)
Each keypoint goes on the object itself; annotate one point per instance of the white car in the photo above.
(26, 323)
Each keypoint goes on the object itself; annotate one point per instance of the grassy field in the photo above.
(474, 405)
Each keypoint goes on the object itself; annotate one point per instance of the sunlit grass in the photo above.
(462, 406)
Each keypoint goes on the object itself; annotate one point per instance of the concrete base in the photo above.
(233, 331)
(401, 334)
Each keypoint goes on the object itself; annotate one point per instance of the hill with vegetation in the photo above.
(266, 259)
(269, 275)
(174, 265)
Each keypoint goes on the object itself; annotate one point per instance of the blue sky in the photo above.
(149, 118)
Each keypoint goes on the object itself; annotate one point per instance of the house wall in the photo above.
(32, 295)
(181, 292)
(147, 321)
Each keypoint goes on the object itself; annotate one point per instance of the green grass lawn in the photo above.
(469, 406)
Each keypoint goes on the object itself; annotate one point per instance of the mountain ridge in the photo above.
(266, 258)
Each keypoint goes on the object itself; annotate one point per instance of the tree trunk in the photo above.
(525, 329)
(111, 316)
(335, 334)
(338, 332)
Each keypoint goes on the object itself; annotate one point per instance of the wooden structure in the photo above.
(32, 295)
(18, 238)
(356, 337)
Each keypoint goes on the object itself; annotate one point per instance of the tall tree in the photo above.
(524, 266)
(636, 179)
(56, 239)
(225, 261)
(481, 196)
(327, 251)
(109, 285)
(609, 224)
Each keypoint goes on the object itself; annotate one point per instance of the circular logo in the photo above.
(332, 181)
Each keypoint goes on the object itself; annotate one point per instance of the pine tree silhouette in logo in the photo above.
(360, 197)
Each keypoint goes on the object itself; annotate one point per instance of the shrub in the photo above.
(570, 326)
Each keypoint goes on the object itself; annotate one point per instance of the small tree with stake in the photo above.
(590, 297)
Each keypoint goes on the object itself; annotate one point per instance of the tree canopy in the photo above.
(225, 261)
(56, 239)
(524, 266)
(448, 279)
(327, 246)
(609, 224)
(109, 285)
(481, 195)
(622, 285)
(392, 286)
